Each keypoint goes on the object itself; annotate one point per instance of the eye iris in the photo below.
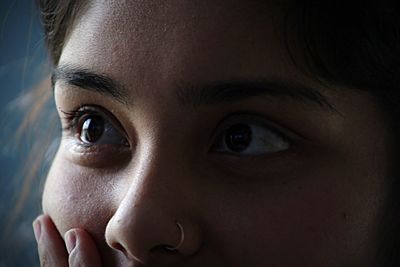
(92, 129)
(238, 137)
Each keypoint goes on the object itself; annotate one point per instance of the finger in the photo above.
(82, 249)
(51, 247)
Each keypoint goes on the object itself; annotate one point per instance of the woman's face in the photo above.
(192, 112)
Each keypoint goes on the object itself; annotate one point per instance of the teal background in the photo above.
(22, 66)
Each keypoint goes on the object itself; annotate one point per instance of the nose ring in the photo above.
(170, 248)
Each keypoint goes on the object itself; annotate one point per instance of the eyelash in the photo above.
(72, 121)
(257, 121)
(72, 118)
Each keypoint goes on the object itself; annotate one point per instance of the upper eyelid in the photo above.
(72, 117)
(281, 130)
(223, 124)
(68, 118)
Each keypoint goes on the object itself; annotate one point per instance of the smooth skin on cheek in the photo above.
(76, 194)
(256, 180)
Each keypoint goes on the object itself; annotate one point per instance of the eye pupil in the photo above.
(238, 137)
(92, 129)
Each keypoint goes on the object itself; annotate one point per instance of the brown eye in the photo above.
(95, 129)
(246, 135)
(92, 129)
(238, 137)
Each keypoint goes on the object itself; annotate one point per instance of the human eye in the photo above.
(93, 126)
(248, 135)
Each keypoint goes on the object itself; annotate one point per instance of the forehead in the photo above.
(135, 41)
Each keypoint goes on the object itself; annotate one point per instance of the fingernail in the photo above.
(37, 229)
(70, 240)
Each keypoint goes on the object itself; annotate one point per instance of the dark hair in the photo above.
(352, 44)
(356, 45)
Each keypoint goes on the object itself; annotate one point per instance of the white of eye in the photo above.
(250, 138)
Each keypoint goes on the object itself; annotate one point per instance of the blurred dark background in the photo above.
(22, 66)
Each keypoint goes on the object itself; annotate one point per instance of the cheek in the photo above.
(321, 216)
(297, 229)
(75, 197)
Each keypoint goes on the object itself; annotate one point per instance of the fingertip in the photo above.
(37, 229)
(50, 244)
(70, 240)
(40, 224)
(81, 248)
(42, 217)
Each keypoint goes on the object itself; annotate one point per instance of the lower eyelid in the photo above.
(99, 156)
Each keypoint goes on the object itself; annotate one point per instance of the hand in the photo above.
(78, 249)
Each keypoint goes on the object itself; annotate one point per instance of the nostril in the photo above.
(119, 247)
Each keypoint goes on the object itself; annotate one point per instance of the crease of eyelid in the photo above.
(71, 118)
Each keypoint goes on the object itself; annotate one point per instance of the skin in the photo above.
(316, 203)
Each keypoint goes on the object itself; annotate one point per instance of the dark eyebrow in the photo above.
(196, 95)
(217, 92)
(88, 80)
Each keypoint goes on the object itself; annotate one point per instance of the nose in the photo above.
(151, 222)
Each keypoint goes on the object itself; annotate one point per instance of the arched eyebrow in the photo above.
(193, 96)
(88, 80)
(236, 90)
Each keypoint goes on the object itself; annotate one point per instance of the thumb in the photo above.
(81, 249)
